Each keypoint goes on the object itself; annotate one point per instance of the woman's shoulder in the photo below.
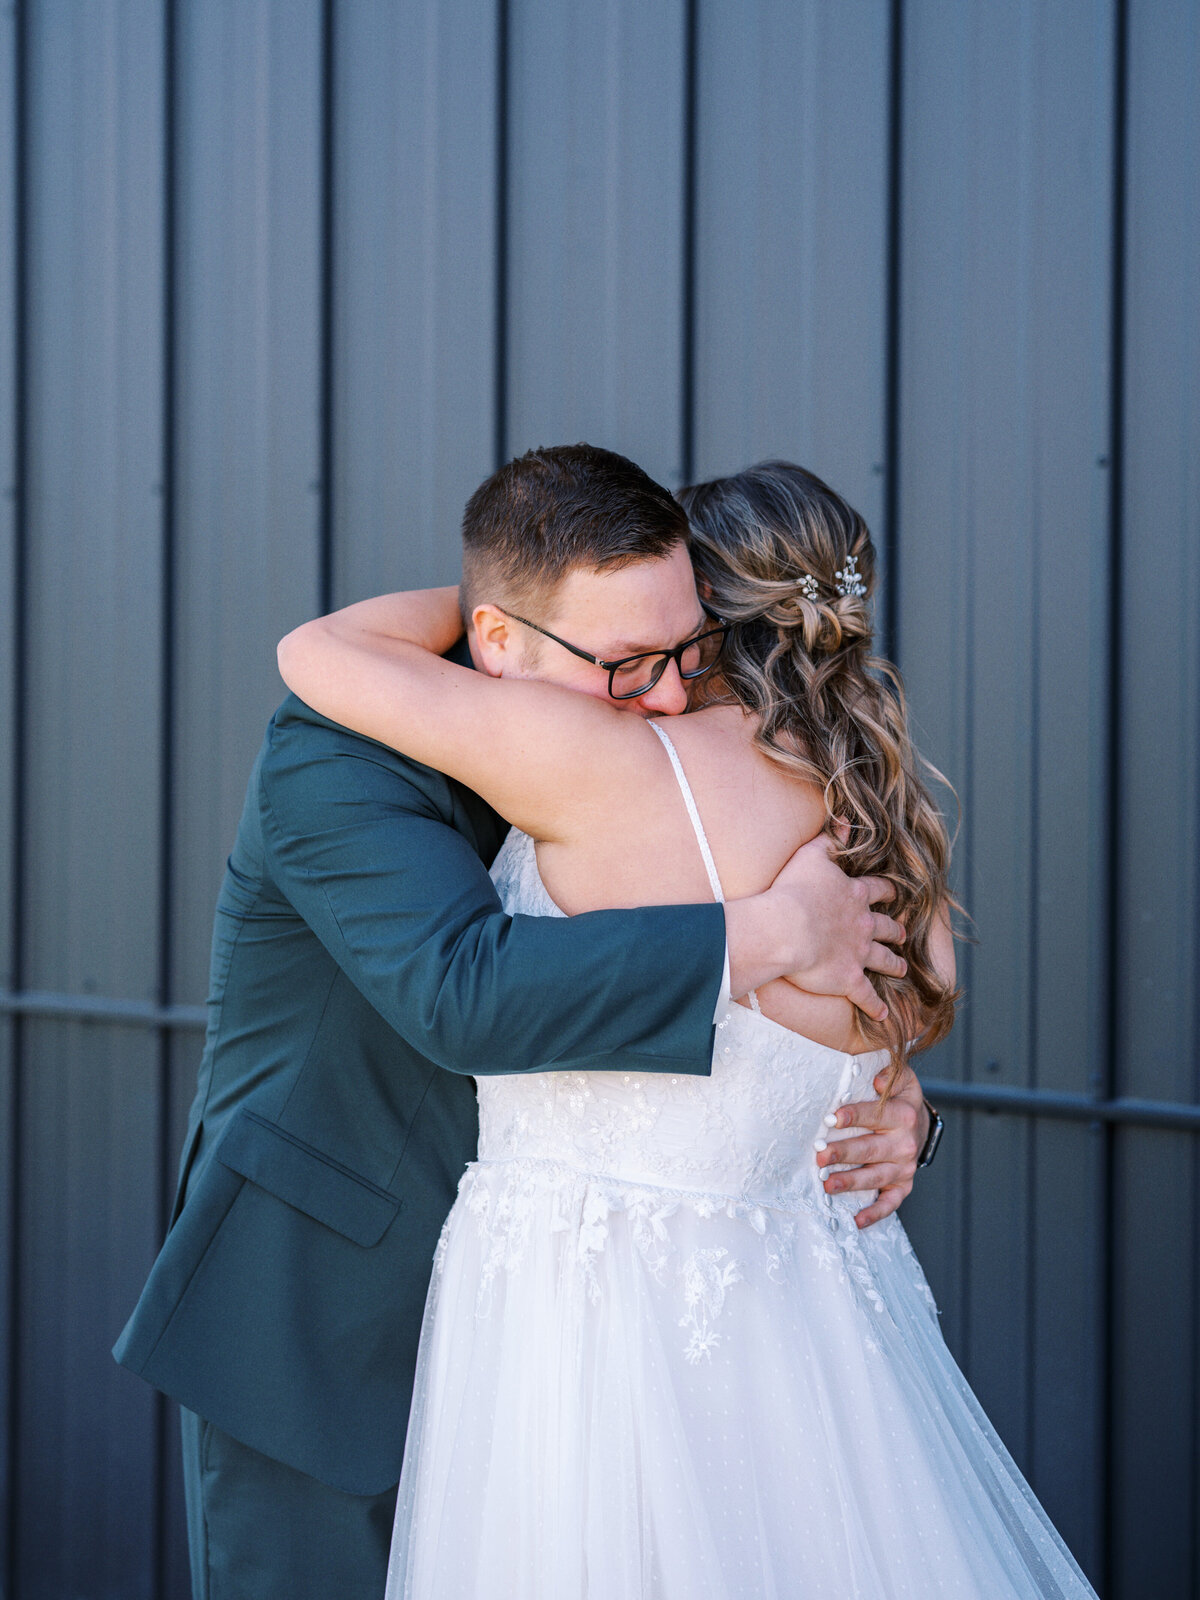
(717, 749)
(724, 736)
(724, 727)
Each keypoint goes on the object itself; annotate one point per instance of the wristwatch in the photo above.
(929, 1148)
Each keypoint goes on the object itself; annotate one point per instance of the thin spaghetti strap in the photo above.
(689, 801)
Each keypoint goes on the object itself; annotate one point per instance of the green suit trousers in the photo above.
(260, 1530)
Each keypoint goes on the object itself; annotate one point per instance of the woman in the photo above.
(660, 1358)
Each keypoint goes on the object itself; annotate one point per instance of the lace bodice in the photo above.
(746, 1132)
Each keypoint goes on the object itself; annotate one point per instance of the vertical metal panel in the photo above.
(1154, 1382)
(85, 1486)
(1157, 1374)
(1068, 1444)
(247, 424)
(595, 235)
(415, 210)
(1160, 576)
(247, 297)
(1003, 502)
(93, 493)
(1003, 602)
(791, 240)
(9, 246)
(88, 1217)
(936, 1215)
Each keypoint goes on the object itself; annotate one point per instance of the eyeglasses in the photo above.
(632, 676)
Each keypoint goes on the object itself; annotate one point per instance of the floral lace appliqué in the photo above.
(708, 1275)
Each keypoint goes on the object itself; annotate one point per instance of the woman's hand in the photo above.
(883, 1144)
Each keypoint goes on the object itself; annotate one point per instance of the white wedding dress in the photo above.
(659, 1363)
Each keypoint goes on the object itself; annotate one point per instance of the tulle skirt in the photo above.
(631, 1393)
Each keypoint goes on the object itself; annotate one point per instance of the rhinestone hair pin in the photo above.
(849, 579)
(808, 587)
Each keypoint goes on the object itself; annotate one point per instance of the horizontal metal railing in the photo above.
(95, 1008)
(944, 1092)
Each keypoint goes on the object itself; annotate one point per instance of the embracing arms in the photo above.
(382, 861)
(363, 668)
(551, 760)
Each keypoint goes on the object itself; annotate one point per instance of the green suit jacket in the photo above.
(362, 970)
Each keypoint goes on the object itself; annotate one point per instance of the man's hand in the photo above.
(884, 1145)
(844, 938)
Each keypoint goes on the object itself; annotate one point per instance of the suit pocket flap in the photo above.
(302, 1177)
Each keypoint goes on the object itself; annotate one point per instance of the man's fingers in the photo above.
(860, 1151)
(886, 930)
(896, 1147)
(878, 889)
(868, 1113)
(906, 1084)
(861, 994)
(880, 1176)
(883, 1206)
(881, 959)
(898, 1114)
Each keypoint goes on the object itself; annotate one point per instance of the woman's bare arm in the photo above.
(547, 758)
(430, 618)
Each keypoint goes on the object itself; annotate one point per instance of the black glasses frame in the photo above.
(662, 657)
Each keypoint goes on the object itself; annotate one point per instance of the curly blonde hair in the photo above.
(791, 565)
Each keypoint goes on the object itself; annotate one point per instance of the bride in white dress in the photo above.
(661, 1360)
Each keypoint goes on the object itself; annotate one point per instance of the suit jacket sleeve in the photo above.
(372, 852)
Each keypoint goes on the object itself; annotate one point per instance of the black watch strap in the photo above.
(934, 1138)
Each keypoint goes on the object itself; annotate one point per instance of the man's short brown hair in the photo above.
(558, 508)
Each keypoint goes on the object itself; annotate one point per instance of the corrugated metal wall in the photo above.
(281, 280)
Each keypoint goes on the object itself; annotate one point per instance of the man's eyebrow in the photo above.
(625, 647)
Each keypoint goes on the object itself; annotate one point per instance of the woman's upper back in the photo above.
(644, 851)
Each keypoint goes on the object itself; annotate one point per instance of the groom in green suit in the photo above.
(362, 972)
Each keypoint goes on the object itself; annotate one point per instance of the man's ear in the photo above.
(496, 641)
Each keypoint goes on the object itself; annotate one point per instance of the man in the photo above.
(362, 969)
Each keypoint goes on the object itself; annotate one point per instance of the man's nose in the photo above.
(668, 697)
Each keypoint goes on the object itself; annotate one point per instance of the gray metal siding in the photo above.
(791, 265)
(282, 280)
(9, 654)
(1156, 928)
(416, 220)
(595, 205)
(1002, 619)
(246, 490)
(88, 1211)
